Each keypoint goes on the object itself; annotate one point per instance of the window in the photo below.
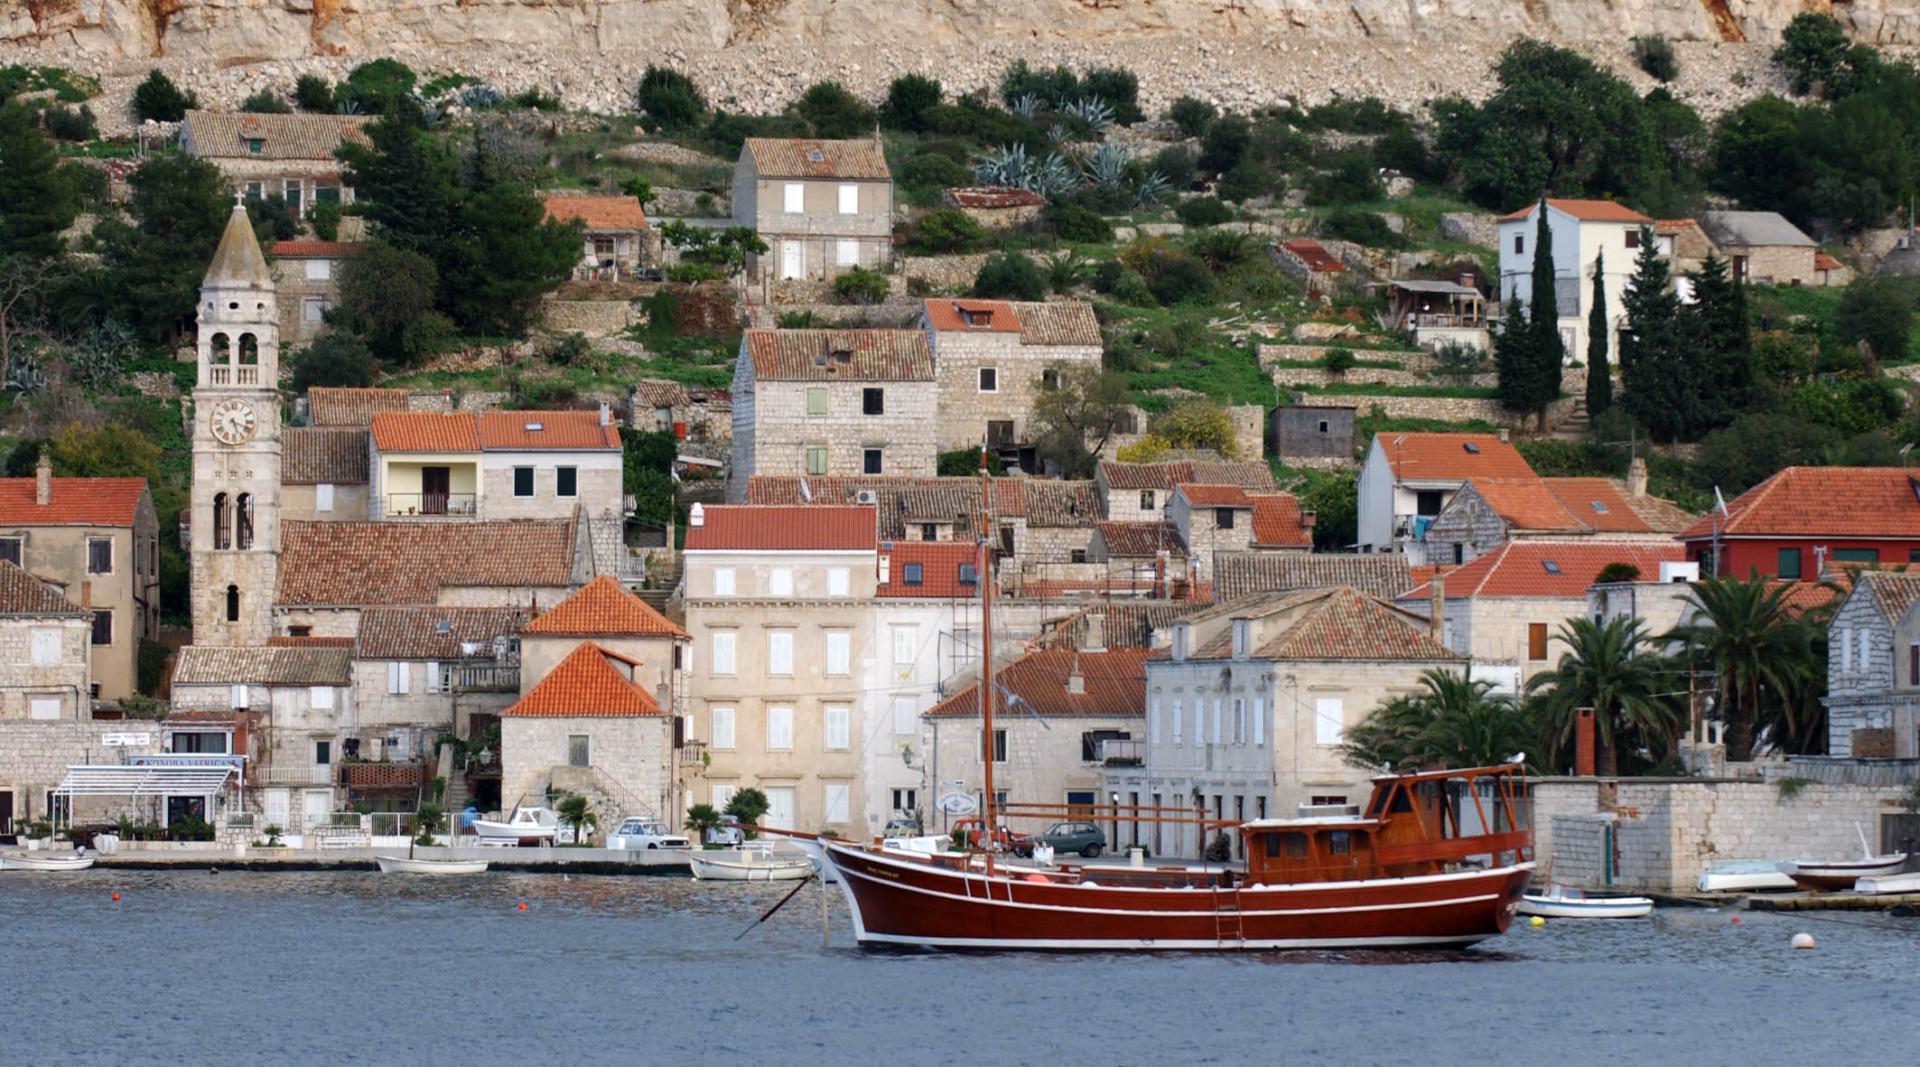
(1427, 502)
(905, 800)
(523, 481)
(849, 199)
(723, 581)
(99, 555)
(1223, 518)
(779, 728)
(322, 753)
(834, 796)
(1323, 426)
(846, 252)
(1176, 720)
(1536, 640)
(237, 696)
(579, 750)
(1519, 244)
(839, 726)
(320, 697)
(723, 652)
(905, 644)
(102, 626)
(929, 531)
(794, 198)
(1090, 742)
(723, 795)
(438, 678)
(243, 521)
(1633, 238)
(323, 497)
(1339, 842)
(1846, 649)
(255, 145)
(1856, 555)
(780, 652)
(1242, 637)
(326, 194)
(780, 581)
(1217, 736)
(816, 460)
(873, 401)
(723, 727)
(1913, 664)
(11, 550)
(839, 653)
(43, 707)
(290, 192)
(233, 603)
(1329, 721)
(871, 461)
(903, 715)
(1239, 721)
(1146, 500)
(816, 400)
(1049, 379)
(603, 246)
(566, 481)
(999, 746)
(46, 648)
(319, 270)
(837, 581)
(314, 310)
(1076, 555)
(399, 676)
(1259, 722)
(1788, 563)
(989, 380)
(256, 191)
(222, 532)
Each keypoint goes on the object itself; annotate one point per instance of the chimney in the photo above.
(1437, 608)
(43, 481)
(86, 594)
(1096, 640)
(1583, 743)
(1503, 435)
(1637, 478)
(696, 516)
(606, 413)
(1076, 682)
(1309, 518)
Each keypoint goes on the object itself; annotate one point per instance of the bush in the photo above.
(1131, 289)
(1118, 89)
(159, 100)
(727, 132)
(1338, 360)
(273, 218)
(1877, 314)
(834, 113)
(1053, 89)
(1617, 572)
(1225, 144)
(911, 98)
(1010, 276)
(266, 102)
(669, 100)
(1363, 228)
(373, 87)
(333, 359)
(570, 349)
(1192, 116)
(1203, 211)
(1654, 54)
(312, 93)
(947, 232)
(858, 285)
(325, 217)
(1850, 407)
(965, 462)
(1173, 277)
(1175, 164)
(534, 100)
(68, 124)
(1813, 49)
(1246, 182)
(1352, 180)
(930, 170)
(1074, 221)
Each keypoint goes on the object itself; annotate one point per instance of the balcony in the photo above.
(484, 677)
(244, 375)
(693, 754)
(1123, 752)
(431, 505)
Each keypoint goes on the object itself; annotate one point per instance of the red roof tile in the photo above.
(598, 212)
(975, 316)
(603, 608)
(1600, 504)
(782, 157)
(72, 502)
(1246, 474)
(315, 249)
(1521, 568)
(1139, 540)
(1214, 496)
(23, 594)
(1822, 261)
(874, 355)
(1867, 502)
(1451, 457)
(1278, 522)
(586, 685)
(1584, 210)
(350, 564)
(938, 564)
(1316, 257)
(738, 527)
(1528, 505)
(351, 406)
(566, 431)
(1115, 684)
(433, 632)
(1338, 623)
(424, 431)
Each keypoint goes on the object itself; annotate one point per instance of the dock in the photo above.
(1905, 903)
(667, 862)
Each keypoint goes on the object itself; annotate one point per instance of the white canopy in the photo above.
(121, 780)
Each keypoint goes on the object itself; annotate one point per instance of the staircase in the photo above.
(454, 800)
(657, 596)
(1574, 426)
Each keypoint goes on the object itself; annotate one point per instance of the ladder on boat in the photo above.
(1227, 925)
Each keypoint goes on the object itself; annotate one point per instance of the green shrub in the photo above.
(1246, 182)
(1654, 54)
(1352, 180)
(834, 113)
(1118, 89)
(533, 100)
(1010, 276)
(1192, 116)
(1203, 211)
(1225, 144)
(669, 100)
(1071, 220)
(727, 132)
(266, 102)
(159, 100)
(1054, 88)
(1131, 289)
(1174, 276)
(1850, 407)
(1175, 163)
(375, 86)
(312, 93)
(911, 99)
(1363, 228)
(947, 232)
(69, 124)
(1338, 360)
(1220, 250)
(325, 217)
(965, 462)
(333, 359)
(858, 285)
(930, 171)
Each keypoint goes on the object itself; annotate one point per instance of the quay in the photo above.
(1906, 903)
(666, 862)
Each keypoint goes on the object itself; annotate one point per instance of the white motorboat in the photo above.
(536, 824)
(1744, 876)
(1568, 902)
(423, 865)
(751, 864)
(43, 861)
(1889, 883)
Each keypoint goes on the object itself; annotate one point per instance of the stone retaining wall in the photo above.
(1442, 408)
(895, 313)
(1416, 359)
(595, 318)
(1316, 376)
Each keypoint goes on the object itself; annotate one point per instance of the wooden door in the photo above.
(436, 484)
(780, 807)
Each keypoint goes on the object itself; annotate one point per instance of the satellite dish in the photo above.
(958, 803)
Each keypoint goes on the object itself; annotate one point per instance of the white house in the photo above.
(1581, 231)
(1409, 478)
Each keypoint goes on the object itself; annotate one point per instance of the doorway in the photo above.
(436, 485)
(790, 260)
(780, 805)
(179, 808)
(6, 812)
(315, 805)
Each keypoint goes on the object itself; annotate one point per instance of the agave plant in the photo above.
(1106, 166)
(481, 97)
(23, 374)
(1026, 105)
(1011, 167)
(1151, 189)
(1091, 110)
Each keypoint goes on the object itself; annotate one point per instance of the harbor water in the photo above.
(192, 967)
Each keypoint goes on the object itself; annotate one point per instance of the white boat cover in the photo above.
(121, 780)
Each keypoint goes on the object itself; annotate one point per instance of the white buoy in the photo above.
(1803, 941)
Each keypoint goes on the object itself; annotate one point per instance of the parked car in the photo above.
(728, 833)
(641, 833)
(1082, 837)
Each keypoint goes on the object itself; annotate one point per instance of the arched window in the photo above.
(222, 535)
(219, 350)
(233, 603)
(249, 350)
(243, 521)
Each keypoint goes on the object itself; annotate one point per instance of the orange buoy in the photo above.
(116, 896)
(523, 905)
(1736, 920)
(1038, 878)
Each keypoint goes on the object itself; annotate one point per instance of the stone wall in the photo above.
(64, 678)
(949, 273)
(1317, 376)
(1415, 360)
(629, 753)
(1470, 227)
(1443, 408)
(34, 758)
(595, 318)
(781, 431)
(965, 409)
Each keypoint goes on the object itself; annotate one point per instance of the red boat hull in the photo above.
(901, 900)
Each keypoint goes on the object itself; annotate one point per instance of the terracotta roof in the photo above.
(839, 355)
(1316, 257)
(1139, 540)
(309, 641)
(23, 594)
(72, 502)
(1584, 210)
(1242, 574)
(1043, 502)
(1893, 592)
(1338, 623)
(801, 158)
(534, 431)
(224, 135)
(1214, 496)
(1822, 261)
(1561, 569)
(989, 197)
(963, 315)
(737, 527)
(1803, 597)
(425, 431)
(432, 632)
(598, 212)
(1115, 683)
(1124, 624)
(237, 260)
(349, 406)
(1451, 457)
(938, 564)
(364, 564)
(1866, 502)
(603, 608)
(1604, 505)
(1049, 503)
(1528, 505)
(586, 685)
(1246, 475)
(650, 393)
(1038, 324)
(1278, 522)
(210, 665)
(315, 249)
(314, 454)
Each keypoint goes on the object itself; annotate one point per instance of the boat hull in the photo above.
(710, 870)
(897, 900)
(1833, 877)
(30, 862)
(1590, 908)
(1888, 883)
(404, 865)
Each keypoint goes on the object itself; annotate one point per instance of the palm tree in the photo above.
(1608, 668)
(1758, 651)
(1454, 721)
(749, 805)
(424, 820)
(700, 819)
(577, 813)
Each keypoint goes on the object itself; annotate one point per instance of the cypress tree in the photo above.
(1512, 355)
(1530, 369)
(1717, 328)
(1653, 365)
(1599, 373)
(35, 202)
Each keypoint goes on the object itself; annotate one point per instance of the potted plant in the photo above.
(273, 832)
(424, 820)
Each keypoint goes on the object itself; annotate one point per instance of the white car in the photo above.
(638, 833)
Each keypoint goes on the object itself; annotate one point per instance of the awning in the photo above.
(117, 780)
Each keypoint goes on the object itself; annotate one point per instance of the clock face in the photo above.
(232, 421)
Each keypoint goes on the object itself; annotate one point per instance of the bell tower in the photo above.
(236, 445)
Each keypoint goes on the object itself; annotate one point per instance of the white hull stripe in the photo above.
(1229, 945)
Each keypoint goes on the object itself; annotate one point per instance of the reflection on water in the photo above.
(192, 967)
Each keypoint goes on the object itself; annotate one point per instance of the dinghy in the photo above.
(750, 865)
(1744, 876)
(1568, 902)
(1889, 883)
(422, 865)
(41, 861)
(1819, 876)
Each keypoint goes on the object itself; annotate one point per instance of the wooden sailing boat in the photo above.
(1437, 859)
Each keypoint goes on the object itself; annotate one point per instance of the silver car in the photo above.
(641, 833)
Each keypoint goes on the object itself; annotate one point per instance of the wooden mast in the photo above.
(983, 575)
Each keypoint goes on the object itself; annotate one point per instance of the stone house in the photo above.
(1763, 248)
(429, 466)
(307, 284)
(692, 414)
(1215, 519)
(1408, 479)
(1504, 610)
(1237, 575)
(779, 609)
(1488, 512)
(1056, 715)
(1248, 708)
(995, 207)
(833, 402)
(614, 235)
(1312, 433)
(589, 728)
(421, 672)
(1144, 558)
(1582, 231)
(289, 155)
(820, 206)
(45, 643)
(39, 757)
(1306, 261)
(1139, 492)
(97, 541)
(1873, 669)
(323, 473)
(604, 612)
(993, 359)
(1684, 243)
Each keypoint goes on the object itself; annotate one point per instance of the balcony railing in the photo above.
(1123, 752)
(233, 375)
(692, 753)
(485, 677)
(451, 505)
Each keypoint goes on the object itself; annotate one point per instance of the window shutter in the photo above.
(1259, 721)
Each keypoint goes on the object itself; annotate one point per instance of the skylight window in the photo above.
(1551, 566)
(535, 427)
(1472, 448)
(1598, 506)
(814, 156)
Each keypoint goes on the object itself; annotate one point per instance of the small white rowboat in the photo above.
(751, 865)
(1567, 902)
(1818, 875)
(1889, 883)
(421, 865)
(30, 861)
(1744, 876)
